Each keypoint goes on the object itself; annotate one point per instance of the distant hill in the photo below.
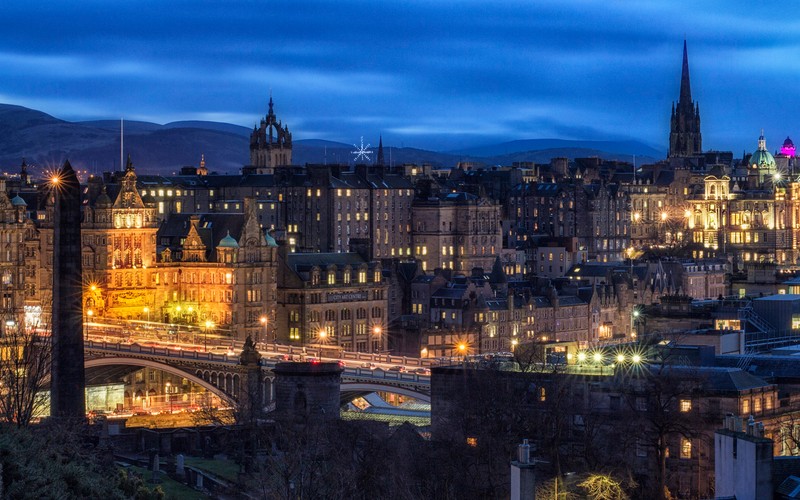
(45, 141)
(629, 148)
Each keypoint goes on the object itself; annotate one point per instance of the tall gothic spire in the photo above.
(380, 151)
(685, 138)
(686, 88)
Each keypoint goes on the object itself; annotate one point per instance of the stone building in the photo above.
(270, 145)
(457, 231)
(333, 299)
(220, 268)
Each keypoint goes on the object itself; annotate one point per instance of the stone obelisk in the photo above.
(68, 382)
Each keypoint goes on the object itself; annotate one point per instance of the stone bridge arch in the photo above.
(156, 365)
(367, 387)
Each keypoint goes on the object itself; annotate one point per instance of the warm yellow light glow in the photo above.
(146, 310)
(597, 357)
(687, 214)
(663, 216)
(93, 287)
(581, 357)
(636, 358)
(462, 347)
(620, 358)
(209, 324)
(263, 320)
(323, 334)
(90, 313)
(377, 330)
(55, 180)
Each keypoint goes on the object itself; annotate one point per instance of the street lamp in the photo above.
(209, 325)
(169, 396)
(89, 314)
(147, 312)
(377, 331)
(263, 322)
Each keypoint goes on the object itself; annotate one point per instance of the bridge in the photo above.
(223, 374)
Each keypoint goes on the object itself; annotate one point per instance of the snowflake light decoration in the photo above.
(362, 152)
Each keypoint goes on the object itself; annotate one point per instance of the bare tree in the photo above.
(25, 356)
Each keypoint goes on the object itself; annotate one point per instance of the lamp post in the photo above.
(634, 319)
(377, 330)
(263, 320)
(89, 314)
(209, 325)
(147, 312)
(169, 396)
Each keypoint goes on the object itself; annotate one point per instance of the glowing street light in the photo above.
(597, 357)
(636, 359)
(209, 325)
(147, 312)
(169, 396)
(263, 320)
(620, 358)
(581, 357)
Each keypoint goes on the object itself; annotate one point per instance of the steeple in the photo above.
(380, 151)
(686, 88)
(685, 138)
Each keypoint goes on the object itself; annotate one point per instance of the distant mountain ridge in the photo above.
(45, 142)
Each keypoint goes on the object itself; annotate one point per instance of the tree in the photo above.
(25, 357)
(652, 396)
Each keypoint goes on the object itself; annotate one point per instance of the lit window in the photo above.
(686, 448)
(686, 405)
(472, 441)
(745, 407)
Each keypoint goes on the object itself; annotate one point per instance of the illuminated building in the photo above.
(219, 268)
(119, 250)
(755, 220)
(458, 231)
(333, 299)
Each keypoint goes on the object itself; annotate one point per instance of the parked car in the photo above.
(398, 368)
(421, 371)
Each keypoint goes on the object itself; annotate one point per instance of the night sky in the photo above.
(426, 74)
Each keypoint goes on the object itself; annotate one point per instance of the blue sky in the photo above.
(421, 73)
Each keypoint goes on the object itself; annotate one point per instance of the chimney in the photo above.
(523, 475)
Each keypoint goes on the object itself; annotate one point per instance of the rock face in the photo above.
(67, 397)
(307, 390)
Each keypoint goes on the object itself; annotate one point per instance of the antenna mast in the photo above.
(121, 144)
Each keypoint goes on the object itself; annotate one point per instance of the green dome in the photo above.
(17, 201)
(228, 242)
(762, 159)
(270, 240)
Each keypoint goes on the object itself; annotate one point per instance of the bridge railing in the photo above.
(161, 351)
(387, 375)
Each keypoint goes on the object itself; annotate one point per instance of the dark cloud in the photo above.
(423, 73)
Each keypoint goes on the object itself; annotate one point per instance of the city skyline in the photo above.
(426, 75)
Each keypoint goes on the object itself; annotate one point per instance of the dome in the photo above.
(228, 242)
(762, 158)
(17, 201)
(103, 200)
(788, 148)
(270, 240)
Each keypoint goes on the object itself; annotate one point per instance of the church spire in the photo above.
(380, 151)
(686, 88)
(685, 139)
